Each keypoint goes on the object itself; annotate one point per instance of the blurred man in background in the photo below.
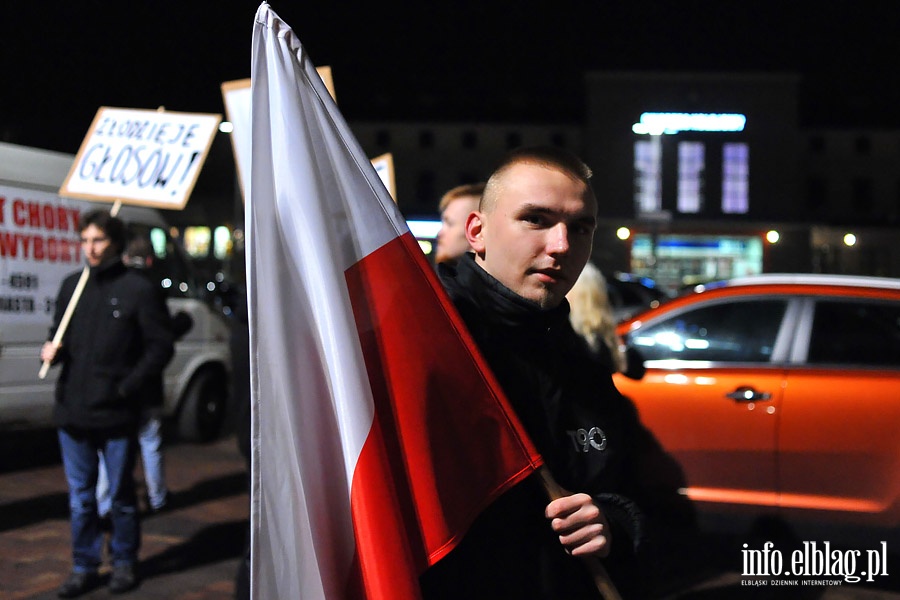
(117, 343)
(455, 207)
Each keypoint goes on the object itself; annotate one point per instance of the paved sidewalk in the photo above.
(189, 552)
(192, 551)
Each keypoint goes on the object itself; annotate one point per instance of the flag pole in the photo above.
(601, 578)
(73, 301)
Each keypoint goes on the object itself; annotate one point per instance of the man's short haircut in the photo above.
(461, 191)
(546, 156)
(113, 227)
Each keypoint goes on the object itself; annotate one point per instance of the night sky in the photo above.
(482, 60)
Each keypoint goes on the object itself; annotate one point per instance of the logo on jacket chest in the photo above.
(586, 440)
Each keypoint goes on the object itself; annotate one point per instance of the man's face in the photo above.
(451, 239)
(536, 235)
(96, 246)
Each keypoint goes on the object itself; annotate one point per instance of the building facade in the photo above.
(699, 176)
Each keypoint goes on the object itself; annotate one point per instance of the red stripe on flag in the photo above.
(445, 442)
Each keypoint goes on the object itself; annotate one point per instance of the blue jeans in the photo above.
(150, 439)
(81, 463)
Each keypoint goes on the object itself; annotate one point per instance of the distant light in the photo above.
(183, 287)
(166, 283)
(669, 123)
(424, 229)
(210, 286)
(772, 236)
(226, 127)
(850, 239)
(426, 246)
(623, 233)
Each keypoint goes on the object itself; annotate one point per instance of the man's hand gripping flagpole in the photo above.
(601, 578)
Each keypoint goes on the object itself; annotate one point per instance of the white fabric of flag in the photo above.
(306, 144)
(378, 433)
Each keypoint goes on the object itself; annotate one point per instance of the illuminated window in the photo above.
(735, 178)
(647, 176)
(158, 241)
(690, 176)
(197, 241)
(222, 242)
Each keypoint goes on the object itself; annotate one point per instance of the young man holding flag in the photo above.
(532, 235)
(378, 434)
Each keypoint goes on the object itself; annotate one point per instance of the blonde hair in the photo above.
(592, 316)
(549, 157)
(467, 190)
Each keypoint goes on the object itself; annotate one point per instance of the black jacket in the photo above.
(579, 422)
(118, 342)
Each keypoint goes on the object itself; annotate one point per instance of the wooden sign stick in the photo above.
(67, 316)
(601, 578)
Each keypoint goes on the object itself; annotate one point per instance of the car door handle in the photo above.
(748, 394)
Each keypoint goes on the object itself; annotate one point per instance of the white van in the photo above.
(39, 246)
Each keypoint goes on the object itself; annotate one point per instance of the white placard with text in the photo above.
(145, 157)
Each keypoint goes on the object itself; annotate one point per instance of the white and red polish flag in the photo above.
(378, 433)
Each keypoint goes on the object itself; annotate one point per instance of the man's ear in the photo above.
(475, 232)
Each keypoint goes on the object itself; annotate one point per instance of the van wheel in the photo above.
(203, 407)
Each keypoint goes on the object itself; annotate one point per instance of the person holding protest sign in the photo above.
(532, 235)
(455, 207)
(117, 342)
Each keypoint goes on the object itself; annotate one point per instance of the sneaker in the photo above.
(122, 579)
(78, 583)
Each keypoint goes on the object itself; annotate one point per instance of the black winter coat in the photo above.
(117, 344)
(581, 425)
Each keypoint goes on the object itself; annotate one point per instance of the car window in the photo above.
(855, 332)
(735, 331)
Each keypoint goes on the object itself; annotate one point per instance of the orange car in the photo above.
(778, 394)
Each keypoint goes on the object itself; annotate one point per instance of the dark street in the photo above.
(190, 551)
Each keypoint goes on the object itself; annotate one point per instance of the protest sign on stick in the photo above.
(133, 156)
(143, 157)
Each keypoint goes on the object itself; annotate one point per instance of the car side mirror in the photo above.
(634, 364)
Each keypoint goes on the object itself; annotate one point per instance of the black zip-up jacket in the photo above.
(581, 425)
(117, 344)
